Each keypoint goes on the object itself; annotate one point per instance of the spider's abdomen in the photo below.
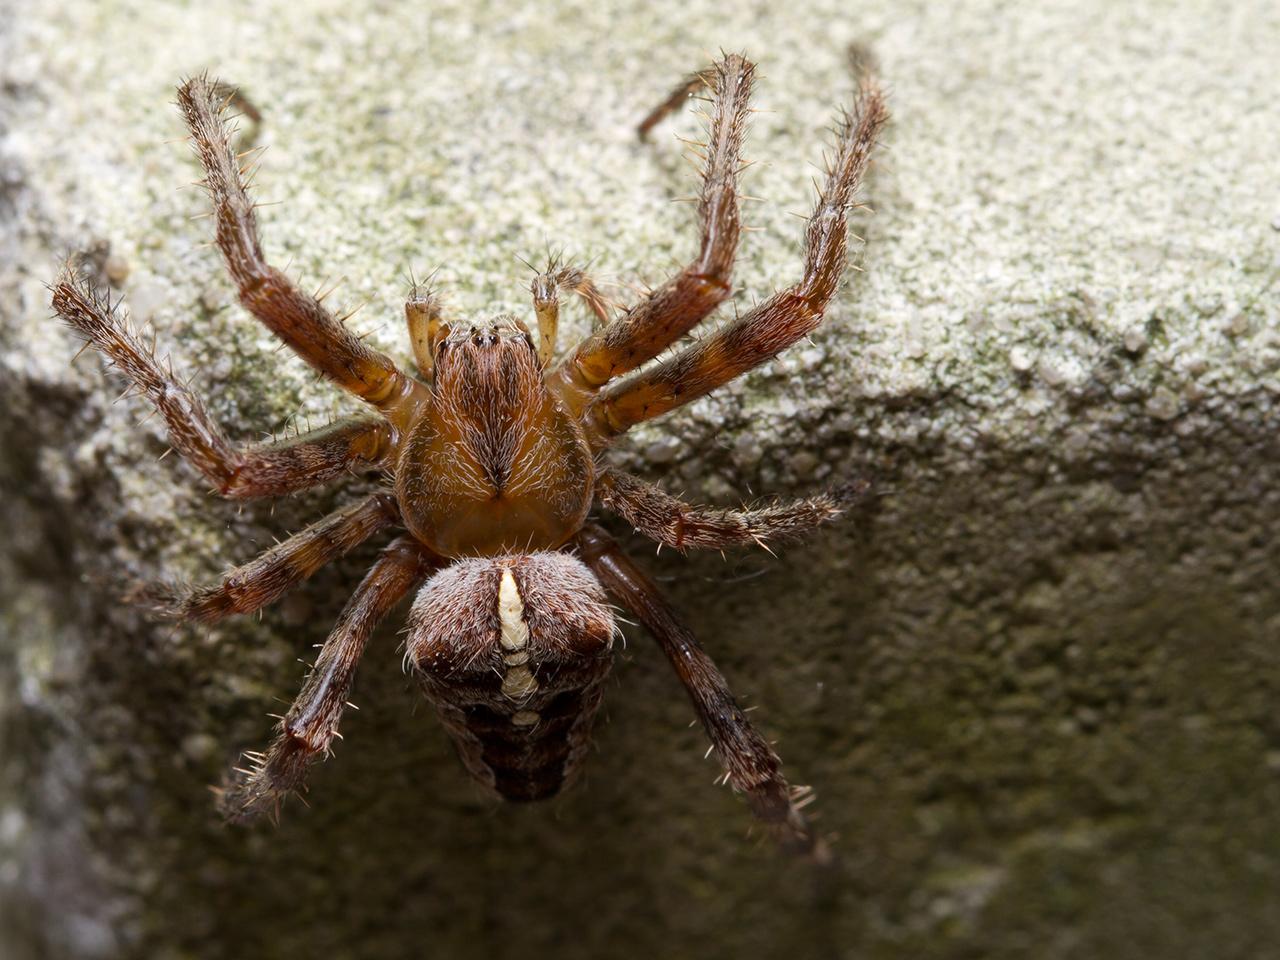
(493, 464)
(513, 652)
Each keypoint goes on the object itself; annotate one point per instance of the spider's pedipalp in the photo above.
(761, 333)
(427, 326)
(546, 289)
(751, 766)
(307, 730)
(674, 308)
(295, 317)
(671, 522)
(267, 578)
(241, 473)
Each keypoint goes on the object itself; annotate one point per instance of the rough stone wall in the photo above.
(1034, 686)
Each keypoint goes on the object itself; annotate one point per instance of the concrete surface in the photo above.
(1034, 687)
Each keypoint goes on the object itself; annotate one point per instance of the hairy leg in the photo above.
(267, 578)
(546, 290)
(661, 517)
(295, 317)
(307, 730)
(677, 99)
(266, 470)
(774, 325)
(678, 305)
(751, 765)
(233, 98)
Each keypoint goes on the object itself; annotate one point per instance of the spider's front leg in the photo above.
(297, 318)
(774, 325)
(307, 730)
(673, 309)
(750, 763)
(676, 99)
(267, 470)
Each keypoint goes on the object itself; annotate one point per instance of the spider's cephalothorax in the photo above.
(493, 464)
(495, 453)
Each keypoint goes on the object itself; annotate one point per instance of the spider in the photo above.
(494, 456)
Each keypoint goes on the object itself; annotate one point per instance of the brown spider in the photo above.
(495, 456)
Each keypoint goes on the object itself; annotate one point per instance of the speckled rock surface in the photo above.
(1035, 686)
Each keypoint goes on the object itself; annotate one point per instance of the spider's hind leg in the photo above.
(307, 730)
(751, 766)
(266, 470)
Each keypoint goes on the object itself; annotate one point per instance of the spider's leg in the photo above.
(661, 517)
(774, 325)
(234, 99)
(266, 470)
(676, 99)
(265, 579)
(295, 317)
(750, 763)
(546, 289)
(673, 309)
(309, 727)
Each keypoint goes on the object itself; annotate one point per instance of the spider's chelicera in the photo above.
(495, 455)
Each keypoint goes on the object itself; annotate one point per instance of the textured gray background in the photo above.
(1034, 687)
